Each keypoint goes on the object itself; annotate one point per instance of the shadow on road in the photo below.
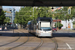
(28, 34)
(63, 34)
(15, 34)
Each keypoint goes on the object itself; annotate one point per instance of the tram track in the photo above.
(20, 44)
(67, 44)
(37, 47)
(10, 42)
(26, 42)
(19, 38)
(42, 42)
(56, 45)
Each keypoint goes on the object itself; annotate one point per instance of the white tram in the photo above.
(41, 27)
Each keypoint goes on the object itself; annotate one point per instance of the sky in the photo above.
(17, 8)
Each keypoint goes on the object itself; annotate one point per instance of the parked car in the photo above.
(54, 29)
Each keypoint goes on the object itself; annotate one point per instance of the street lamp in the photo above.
(12, 11)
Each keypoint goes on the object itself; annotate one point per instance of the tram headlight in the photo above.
(38, 32)
(50, 32)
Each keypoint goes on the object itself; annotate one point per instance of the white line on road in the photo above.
(69, 46)
(64, 48)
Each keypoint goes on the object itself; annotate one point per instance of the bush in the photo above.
(59, 25)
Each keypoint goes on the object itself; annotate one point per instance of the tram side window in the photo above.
(30, 25)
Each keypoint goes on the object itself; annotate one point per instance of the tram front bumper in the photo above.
(45, 34)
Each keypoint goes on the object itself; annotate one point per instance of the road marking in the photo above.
(64, 48)
(69, 46)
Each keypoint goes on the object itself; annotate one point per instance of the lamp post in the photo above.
(39, 13)
(33, 11)
(13, 12)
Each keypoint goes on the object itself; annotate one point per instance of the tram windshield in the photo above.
(45, 28)
(45, 25)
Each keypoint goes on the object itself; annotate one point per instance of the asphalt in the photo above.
(65, 40)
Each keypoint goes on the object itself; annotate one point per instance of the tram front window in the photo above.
(45, 28)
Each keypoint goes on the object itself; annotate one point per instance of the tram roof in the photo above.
(44, 18)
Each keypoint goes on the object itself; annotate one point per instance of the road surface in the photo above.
(22, 40)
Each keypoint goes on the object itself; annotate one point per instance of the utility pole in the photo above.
(33, 11)
(13, 12)
(12, 16)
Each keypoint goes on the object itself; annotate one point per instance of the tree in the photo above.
(7, 20)
(26, 14)
(73, 12)
(59, 25)
(17, 18)
(23, 16)
(2, 17)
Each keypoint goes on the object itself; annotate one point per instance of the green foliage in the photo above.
(73, 22)
(58, 24)
(63, 13)
(26, 14)
(7, 20)
(73, 11)
(41, 12)
(2, 17)
(23, 16)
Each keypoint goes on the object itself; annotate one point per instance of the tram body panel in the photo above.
(44, 33)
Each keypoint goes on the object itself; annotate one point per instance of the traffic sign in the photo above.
(69, 11)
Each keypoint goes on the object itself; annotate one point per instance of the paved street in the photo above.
(16, 40)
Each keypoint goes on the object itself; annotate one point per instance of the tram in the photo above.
(41, 27)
